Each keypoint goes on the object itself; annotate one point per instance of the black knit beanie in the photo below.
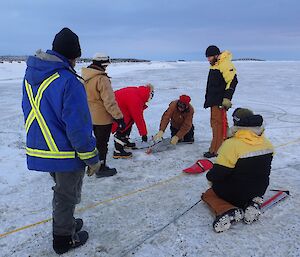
(66, 43)
(212, 51)
(243, 117)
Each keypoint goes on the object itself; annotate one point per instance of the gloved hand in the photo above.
(158, 136)
(226, 103)
(174, 140)
(93, 168)
(121, 123)
(144, 138)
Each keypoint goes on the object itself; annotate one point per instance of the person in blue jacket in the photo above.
(59, 132)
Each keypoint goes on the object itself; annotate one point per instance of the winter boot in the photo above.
(62, 244)
(252, 211)
(122, 154)
(128, 144)
(78, 224)
(119, 149)
(209, 155)
(105, 171)
(224, 221)
(188, 140)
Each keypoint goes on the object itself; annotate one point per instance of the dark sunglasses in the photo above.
(151, 94)
(181, 105)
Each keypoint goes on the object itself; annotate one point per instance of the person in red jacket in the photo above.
(132, 102)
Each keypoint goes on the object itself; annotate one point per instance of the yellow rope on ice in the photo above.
(96, 204)
(119, 197)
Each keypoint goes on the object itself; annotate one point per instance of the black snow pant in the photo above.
(125, 133)
(189, 137)
(102, 134)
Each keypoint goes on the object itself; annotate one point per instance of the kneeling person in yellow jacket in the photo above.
(180, 113)
(240, 176)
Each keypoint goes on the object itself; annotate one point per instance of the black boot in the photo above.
(252, 211)
(119, 148)
(128, 144)
(105, 171)
(188, 140)
(224, 221)
(79, 224)
(122, 154)
(209, 155)
(62, 244)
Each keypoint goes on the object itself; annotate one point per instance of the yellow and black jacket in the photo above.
(243, 166)
(221, 81)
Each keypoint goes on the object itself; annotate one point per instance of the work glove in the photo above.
(158, 136)
(226, 103)
(93, 168)
(174, 140)
(144, 138)
(121, 123)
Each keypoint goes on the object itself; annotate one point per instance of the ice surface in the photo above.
(117, 225)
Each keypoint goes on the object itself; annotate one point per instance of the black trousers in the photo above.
(188, 136)
(102, 134)
(125, 133)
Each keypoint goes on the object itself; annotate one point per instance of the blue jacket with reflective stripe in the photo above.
(65, 110)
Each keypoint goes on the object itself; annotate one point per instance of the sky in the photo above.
(156, 29)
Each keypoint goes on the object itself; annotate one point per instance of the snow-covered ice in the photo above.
(149, 191)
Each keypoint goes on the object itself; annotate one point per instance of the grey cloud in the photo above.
(153, 29)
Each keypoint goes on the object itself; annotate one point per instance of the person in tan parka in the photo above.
(180, 113)
(103, 107)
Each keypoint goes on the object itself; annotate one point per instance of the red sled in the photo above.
(274, 199)
(200, 166)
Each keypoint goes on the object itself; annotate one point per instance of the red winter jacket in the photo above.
(132, 102)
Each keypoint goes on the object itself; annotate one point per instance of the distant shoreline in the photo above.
(19, 59)
(248, 59)
(8, 58)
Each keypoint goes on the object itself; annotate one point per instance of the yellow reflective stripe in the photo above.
(228, 85)
(45, 130)
(38, 98)
(50, 154)
(87, 155)
(40, 119)
(29, 120)
(43, 87)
